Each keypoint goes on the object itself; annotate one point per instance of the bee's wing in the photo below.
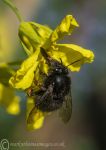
(66, 109)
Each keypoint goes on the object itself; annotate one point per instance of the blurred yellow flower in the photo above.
(33, 36)
(9, 100)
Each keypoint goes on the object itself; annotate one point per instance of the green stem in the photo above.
(14, 8)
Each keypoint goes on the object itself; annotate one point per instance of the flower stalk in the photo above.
(14, 9)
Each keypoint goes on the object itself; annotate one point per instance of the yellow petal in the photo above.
(70, 53)
(9, 100)
(33, 35)
(66, 27)
(35, 117)
(23, 78)
(43, 66)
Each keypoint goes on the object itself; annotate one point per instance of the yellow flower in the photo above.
(33, 36)
(8, 100)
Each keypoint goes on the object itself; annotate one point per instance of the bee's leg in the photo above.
(44, 95)
(43, 74)
(41, 87)
(37, 83)
(61, 61)
(30, 92)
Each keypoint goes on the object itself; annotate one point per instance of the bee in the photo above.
(55, 92)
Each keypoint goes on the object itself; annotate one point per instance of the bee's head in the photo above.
(61, 69)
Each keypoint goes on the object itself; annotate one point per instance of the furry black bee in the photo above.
(55, 93)
(55, 87)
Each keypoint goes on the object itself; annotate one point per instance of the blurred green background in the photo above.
(87, 127)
